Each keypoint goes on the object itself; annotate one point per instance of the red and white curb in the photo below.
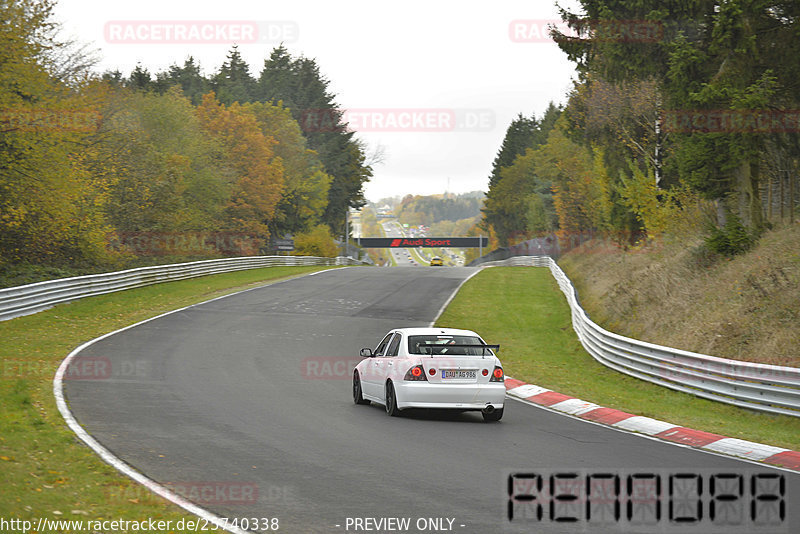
(589, 411)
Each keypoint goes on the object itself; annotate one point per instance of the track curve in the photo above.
(238, 392)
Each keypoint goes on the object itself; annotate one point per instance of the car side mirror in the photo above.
(366, 353)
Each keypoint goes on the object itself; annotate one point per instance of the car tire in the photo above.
(494, 416)
(358, 398)
(391, 401)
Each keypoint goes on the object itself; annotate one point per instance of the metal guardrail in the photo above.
(538, 246)
(33, 298)
(768, 388)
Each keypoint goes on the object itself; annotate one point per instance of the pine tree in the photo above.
(299, 84)
(277, 80)
(504, 208)
(233, 82)
(519, 137)
(140, 78)
(190, 79)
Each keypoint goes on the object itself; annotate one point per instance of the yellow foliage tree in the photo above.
(50, 208)
(316, 242)
(660, 211)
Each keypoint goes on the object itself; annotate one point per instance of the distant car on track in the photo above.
(432, 368)
(436, 261)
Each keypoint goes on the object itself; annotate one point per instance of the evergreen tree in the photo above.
(190, 79)
(299, 85)
(140, 78)
(504, 207)
(519, 137)
(233, 82)
(114, 78)
(276, 81)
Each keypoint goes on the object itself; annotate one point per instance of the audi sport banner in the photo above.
(409, 242)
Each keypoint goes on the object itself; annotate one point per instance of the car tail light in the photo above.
(497, 375)
(416, 374)
(485, 372)
(431, 371)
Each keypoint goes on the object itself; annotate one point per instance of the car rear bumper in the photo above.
(455, 396)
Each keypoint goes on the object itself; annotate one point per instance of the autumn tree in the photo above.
(49, 206)
(578, 181)
(256, 172)
(160, 166)
(317, 241)
(305, 191)
(84, 157)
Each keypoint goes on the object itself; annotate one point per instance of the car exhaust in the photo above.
(489, 409)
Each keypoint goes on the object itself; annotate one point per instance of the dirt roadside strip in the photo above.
(759, 452)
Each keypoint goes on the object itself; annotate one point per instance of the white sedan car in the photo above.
(431, 368)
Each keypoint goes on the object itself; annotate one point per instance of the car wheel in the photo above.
(494, 416)
(357, 397)
(391, 401)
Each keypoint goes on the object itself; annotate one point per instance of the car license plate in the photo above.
(458, 373)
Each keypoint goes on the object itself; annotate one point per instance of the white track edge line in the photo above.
(326, 270)
(115, 462)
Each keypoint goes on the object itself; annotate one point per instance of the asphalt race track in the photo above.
(251, 395)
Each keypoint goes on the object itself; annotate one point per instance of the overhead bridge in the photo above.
(411, 242)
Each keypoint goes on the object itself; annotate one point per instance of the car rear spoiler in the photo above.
(457, 346)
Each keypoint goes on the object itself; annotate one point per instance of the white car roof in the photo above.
(432, 331)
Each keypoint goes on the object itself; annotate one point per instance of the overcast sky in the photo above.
(435, 83)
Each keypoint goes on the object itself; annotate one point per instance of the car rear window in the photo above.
(439, 345)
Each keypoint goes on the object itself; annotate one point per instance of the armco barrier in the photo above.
(768, 388)
(32, 298)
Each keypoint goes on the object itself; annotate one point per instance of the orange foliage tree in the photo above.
(257, 173)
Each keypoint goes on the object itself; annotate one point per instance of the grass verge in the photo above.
(522, 309)
(45, 471)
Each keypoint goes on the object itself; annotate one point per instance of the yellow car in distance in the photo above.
(437, 262)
